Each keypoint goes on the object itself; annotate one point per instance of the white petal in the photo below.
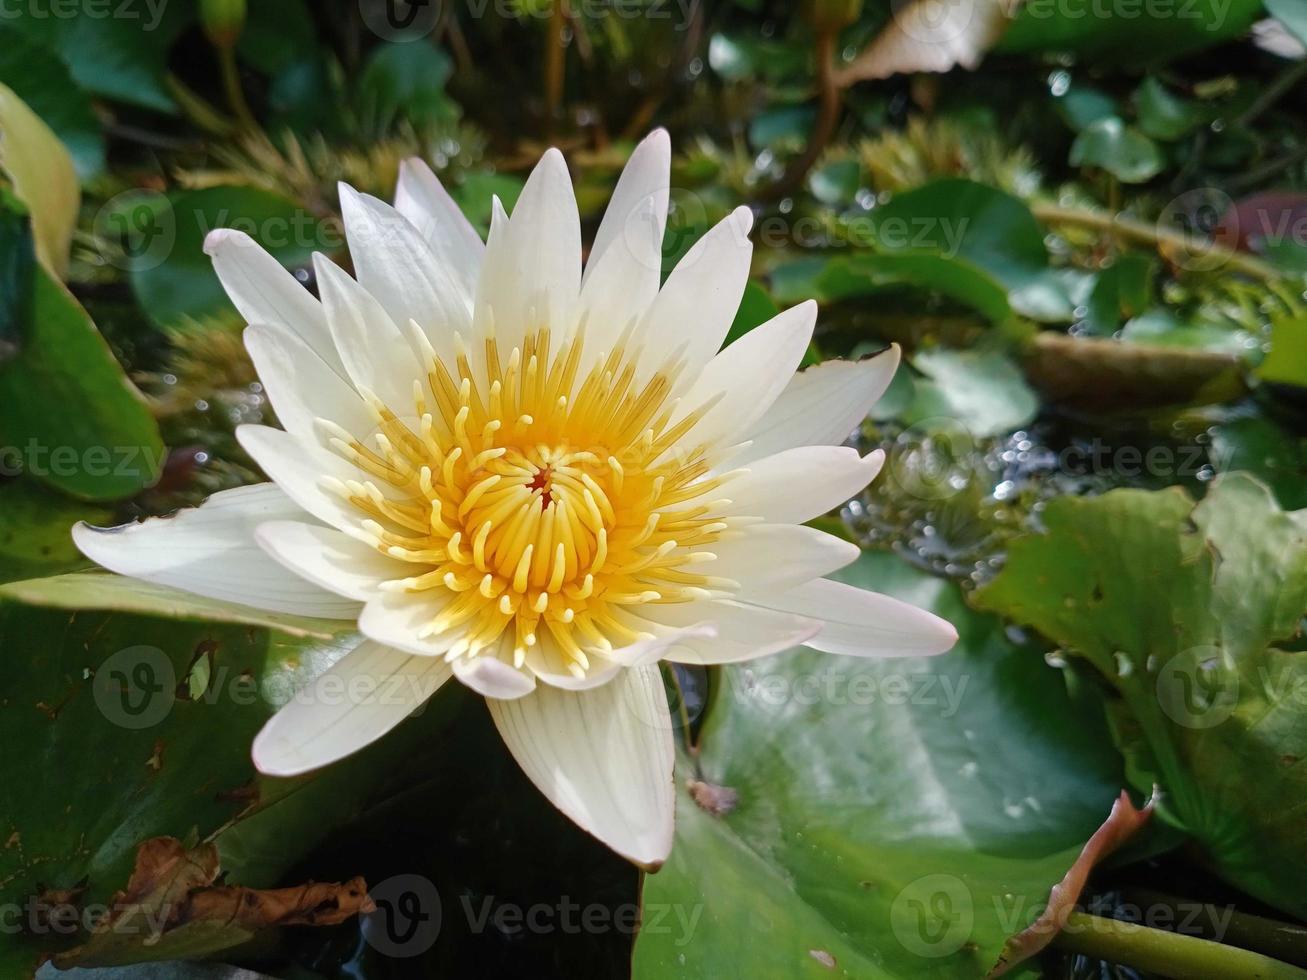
(422, 199)
(625, 267)
(394, 263)
(776, 556)
(398, 619)
(210, 551)
(492, 678)
(362, 697)
(302, 387)
(375, 354)
(696, 306)
(299, 468)
(692, 626)
(742, 632)
(821, 406)
(333, 560)
(742, 382)
(860, 623)
(264, 292)
(531, 274)
(799, 484)
(603, 757)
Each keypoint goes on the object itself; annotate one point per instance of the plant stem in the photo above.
(1280, 940)
(231, 83)
(669, 671)
(828, 116)
(555, 62)
(1167, 954)
(1139, 231)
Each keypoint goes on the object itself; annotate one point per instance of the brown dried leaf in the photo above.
(1122, 823)
(171, 909)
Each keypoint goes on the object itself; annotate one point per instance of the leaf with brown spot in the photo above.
(171, 909)
(1122, 823)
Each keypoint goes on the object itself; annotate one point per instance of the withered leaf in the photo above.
(1122, 823)
(172, 909)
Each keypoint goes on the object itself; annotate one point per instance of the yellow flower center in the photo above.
(536, 502)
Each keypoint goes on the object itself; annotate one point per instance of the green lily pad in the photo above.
(34, 523)
(115, 729)
(983, 390)
(1123, 34)
(894, 818)
(1163, 115)
(174, 279)
(1185, 611)
(1286, 362)
(40, 79)
(69, 412)
(956, 278)
(991, 229)
(1123, 290)
(1124, 152)
(116, 50)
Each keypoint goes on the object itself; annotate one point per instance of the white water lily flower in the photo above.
(536, 480)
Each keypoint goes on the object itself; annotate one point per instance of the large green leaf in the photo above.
(179, 282)
(1183, 609)
(956, 278)
(1125, 33)
(34, 523)
(114, 49)
(120, 728)
(68, 410)
(988, 227)
(39, 78)
(895, 818)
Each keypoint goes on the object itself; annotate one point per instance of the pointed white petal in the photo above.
(398, 619)
(394, 263)
(210, 551)
(799, 484)
(742, 632)
(302, 387)
(623, 273)
(776, 556)
(492, 678)
(422, 199)
(821, 406)
(375, 354)
(362, 697)
(264, 292)
(299, 468)
(531, 273)
(742, 382)
(604, 757)
(693, 625)
(860, 623)
(696, 306)
(333, 560)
